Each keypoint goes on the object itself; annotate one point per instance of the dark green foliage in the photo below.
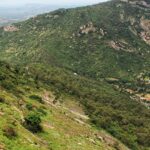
(29, 106)
(32, 122)
(41, 111)
(7, 85)
(37, 98)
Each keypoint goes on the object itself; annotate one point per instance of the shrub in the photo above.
(37, 98)
(41, 111)
(8, 85)
(29, 106)
(32, 122)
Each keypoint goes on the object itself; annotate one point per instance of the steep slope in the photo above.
(98, 54)
(64, 125)
(107, 108)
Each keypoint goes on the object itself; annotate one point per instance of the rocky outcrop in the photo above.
(145, 34)
(121, 46)
(10, 28)
(143, 3)
(88, 28)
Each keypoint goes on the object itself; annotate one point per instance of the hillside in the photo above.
(97, 55)
(64, 124)
(109, 36)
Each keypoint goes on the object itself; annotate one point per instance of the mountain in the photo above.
(70, 38)
(97, 55)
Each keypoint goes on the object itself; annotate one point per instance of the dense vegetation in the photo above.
(55, 38)
(71, 52)
(108, 108)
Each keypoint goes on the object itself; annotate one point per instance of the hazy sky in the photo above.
(52, 2)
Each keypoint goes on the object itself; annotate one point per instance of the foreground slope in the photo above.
(99, 54)
(64, 125)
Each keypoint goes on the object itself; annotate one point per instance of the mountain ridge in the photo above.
(69, 36)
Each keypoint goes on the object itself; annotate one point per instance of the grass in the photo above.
(61, 131)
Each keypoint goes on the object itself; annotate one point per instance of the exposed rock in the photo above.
(102, 32)
(146, 37)
(129, 91)
(86, 29)
(145, 34)
(89, 28)
(145, 24)
(142, 3)
(10, 28)
(121, 46)
(56, 16)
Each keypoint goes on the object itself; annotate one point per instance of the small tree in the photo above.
(32, 122)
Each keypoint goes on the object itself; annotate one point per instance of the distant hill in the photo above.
(114, 41)
(98, 55)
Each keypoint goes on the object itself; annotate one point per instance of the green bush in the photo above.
(7, 84)
(29, 106)
(37, 98)
(32, 122)
(41, 111)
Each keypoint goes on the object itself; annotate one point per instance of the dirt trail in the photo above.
(81, 119)
(49, 99)
(20, 113)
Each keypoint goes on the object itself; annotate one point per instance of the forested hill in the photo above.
(109, 39)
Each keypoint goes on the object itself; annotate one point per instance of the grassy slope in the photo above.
(64, 126)
(107, 107)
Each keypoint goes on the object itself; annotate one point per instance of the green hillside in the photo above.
(99, 41)
(97, 55)
(33, 117)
